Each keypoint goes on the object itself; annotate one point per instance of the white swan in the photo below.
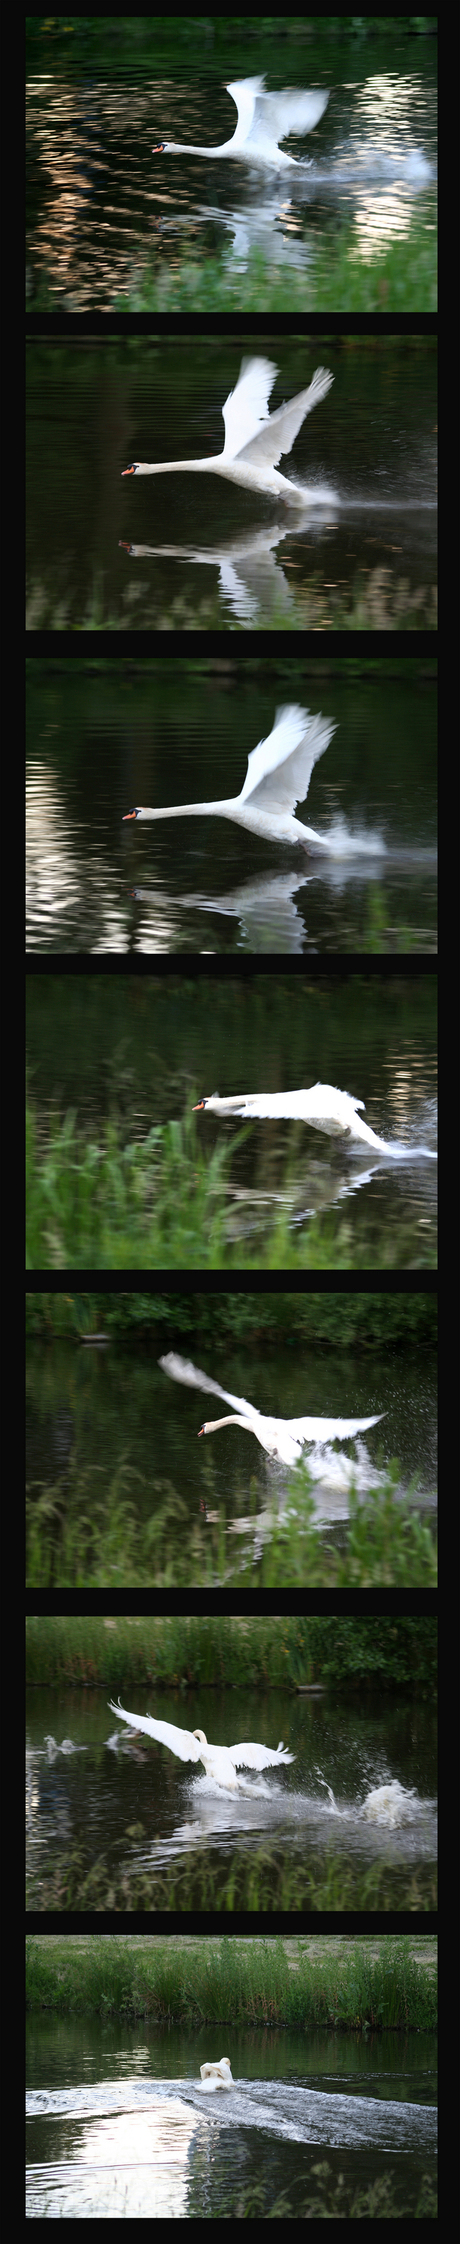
(277, 777)
(253, 440)
(283, 1438)
(328, 1109)
(220, 1761)
(217, 2076)
(263, 120)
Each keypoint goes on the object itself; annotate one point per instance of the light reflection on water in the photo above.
(144, 2145)
(106, 209)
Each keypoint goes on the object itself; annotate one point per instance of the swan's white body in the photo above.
(220, 1761)
(263, 120)
(278, 776)
(217, 2076)
(328, 1109)
(254, 441)
(283, 1438)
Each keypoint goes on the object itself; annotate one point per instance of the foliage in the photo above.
(362, 1321)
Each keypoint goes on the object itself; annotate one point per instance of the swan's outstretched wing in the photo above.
(187, 1374)
(244, 93)
(258, 1756)
(328, 1429)
(181, 1742)
(279, 770)
(278, 433)
(288, 112)
(246, 407)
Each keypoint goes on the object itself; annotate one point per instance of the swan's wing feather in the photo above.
(279, 770)
(181, 1742)
(247, 405)
(327, 1429)
(277, 435)
(244, 93)
(188, 1376)
(258, 1756)
(290, 111)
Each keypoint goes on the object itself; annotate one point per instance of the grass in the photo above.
(85, 1532)
(337, 278)
(215, 1651)
(168, 1204)
(241, 1984)
(267, 1879)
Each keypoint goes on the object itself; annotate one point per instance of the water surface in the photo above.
(101, 743)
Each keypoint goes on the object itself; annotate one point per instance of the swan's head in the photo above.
(201, 1737)
(163, 148)
(203, 1429)
(211, 1094)
(130, 813)
(133, 470)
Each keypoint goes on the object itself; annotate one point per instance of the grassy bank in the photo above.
(114, 1653)
(350, 1985)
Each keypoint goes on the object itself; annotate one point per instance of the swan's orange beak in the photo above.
(128, 471)
(196, 1109)
(200, 1431)
(128, 814)
(160, 148)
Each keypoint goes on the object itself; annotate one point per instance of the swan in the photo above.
(328, 1109)
(217, 2076)
(253, 440)
(263, 120)
(220, 1761)
(283, 1438)
(277, 777)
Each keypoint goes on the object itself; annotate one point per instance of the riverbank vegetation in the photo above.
(123, 1652)
(354, 1985)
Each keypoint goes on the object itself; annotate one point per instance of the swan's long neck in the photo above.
(165, 467)
(212, 1424)
(185, 148)
(192, 810)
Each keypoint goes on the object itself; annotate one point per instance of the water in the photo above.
(84, 1405)
(145, 1051)
(116, 2124)
(104, 211)
(164, 733)
(138, 1804)
(194, 552)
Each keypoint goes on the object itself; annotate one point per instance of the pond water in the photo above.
(134, 1049)
(85, 1405)
(116, 2124)
(100, 743)
(104, 212)
(142, 1807)
(195, 552)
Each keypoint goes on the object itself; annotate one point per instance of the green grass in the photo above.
(85, 1532)
(337, 278)
(167, 1204)
(239, 1983)
(218, 1651)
